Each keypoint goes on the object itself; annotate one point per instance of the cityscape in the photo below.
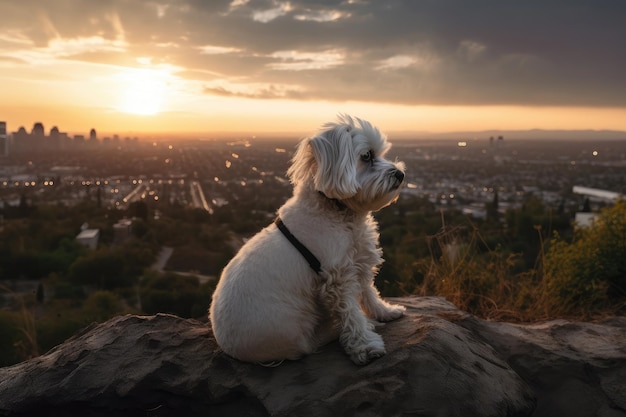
(95, 227)
(464, 174)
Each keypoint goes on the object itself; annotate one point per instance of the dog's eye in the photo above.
(368, 157)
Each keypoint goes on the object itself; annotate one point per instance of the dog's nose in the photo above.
(399, 175)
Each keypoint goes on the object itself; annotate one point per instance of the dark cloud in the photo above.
(557, 52)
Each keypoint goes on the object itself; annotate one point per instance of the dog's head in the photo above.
(346, 161)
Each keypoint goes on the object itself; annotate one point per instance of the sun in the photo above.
(143, 91)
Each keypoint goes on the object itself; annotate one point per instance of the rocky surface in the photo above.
(440, 362)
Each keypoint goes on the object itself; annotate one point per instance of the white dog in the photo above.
(271, 305)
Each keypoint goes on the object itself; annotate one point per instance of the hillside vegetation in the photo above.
(528, 264)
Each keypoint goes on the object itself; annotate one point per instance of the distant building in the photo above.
(79, 141)
(122, 230)
(4, 140)
(93, 139)
(38, 130)
(584, 218)
(476, 210)
(21, 140)
(597, 194)
(54, 140)
(89, 238)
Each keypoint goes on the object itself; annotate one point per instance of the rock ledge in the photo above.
(440, 362)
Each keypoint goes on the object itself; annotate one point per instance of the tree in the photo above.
(23, 206)
(175, 294)
(492, 208)
(103, 268)
(138, 209)
(40, 293)
(99, 198)
(102, 305)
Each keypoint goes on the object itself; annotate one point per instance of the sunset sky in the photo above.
(258, 66)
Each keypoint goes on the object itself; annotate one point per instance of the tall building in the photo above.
(19, 140)
(38, 130)
(4, 140)
(54, 139)
(93, 139)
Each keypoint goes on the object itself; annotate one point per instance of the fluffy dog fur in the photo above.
(269, 304)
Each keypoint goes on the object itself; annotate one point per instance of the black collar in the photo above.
(314, 263)
(335, 201)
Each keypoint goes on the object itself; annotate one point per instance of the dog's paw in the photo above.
(364, 354)
(390, 312)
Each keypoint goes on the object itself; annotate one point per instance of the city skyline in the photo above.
(13, 135)
(53, 139)
(287, 67)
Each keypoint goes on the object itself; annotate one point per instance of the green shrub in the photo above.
(102, 305)
(588, 273)
(65, 290)
(103, 268)
(175, 294)
(53, 330)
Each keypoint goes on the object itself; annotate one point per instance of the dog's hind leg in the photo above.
(327, 331)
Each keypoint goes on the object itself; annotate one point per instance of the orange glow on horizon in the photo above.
(244, 116)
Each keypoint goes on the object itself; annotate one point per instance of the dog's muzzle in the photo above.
(398, 178)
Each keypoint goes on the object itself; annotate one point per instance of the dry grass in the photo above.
(26, 347)
(483, 282)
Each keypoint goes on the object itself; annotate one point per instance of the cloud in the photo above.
(217, 50)
(397, 62)
(299, 61)
(75, 46)
(254, 91)
(267, 15)
(326, 15)
(397, 51)
(470, 50)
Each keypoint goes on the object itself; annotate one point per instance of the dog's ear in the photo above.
(303, 163)
(335, 158)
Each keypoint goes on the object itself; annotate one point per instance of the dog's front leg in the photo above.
(357, 334)
(375, 306)
(367, 261)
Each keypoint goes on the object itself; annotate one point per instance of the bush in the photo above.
(53, 330)
(103, 268)
(65, 290)
(175, 294)
(589, 273)
(102, 305)
(112, 268)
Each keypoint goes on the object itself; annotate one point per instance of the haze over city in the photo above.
(285, 67)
